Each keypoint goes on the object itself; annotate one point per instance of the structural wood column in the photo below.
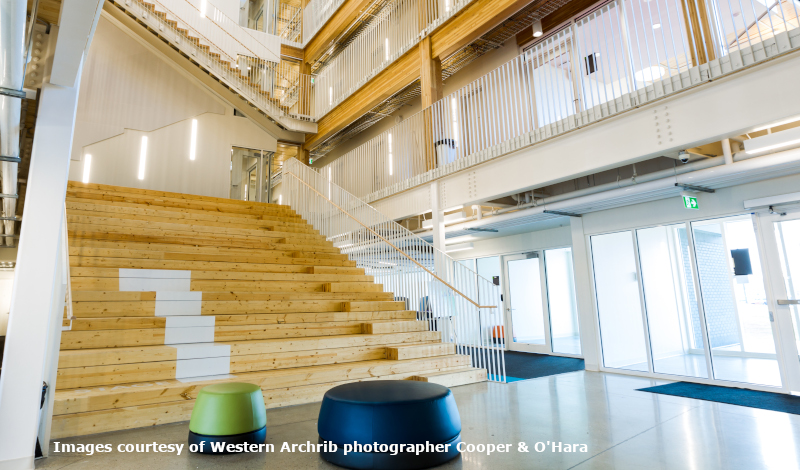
(698, 31)
(430, 69)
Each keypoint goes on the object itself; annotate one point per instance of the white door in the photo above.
(525, 303)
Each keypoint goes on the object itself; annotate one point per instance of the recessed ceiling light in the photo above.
(656, 25)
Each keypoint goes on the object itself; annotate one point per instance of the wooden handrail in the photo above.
(391, 244)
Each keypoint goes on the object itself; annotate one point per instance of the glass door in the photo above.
(525, 303)
(691, 300)
(781, 232)
(734, 300)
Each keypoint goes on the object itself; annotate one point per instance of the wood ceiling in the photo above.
(49, 10)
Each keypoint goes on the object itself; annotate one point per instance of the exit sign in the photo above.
(690, 202)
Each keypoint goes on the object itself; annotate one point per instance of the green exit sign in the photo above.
(690, 202)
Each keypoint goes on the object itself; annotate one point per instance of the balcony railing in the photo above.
(316, 14)
(454, 300)
(396, 29)
(619, 57)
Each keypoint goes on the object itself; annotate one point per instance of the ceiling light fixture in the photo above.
(777, 124)
(773, 141)
(459, 247)
(656, 25)
(537, 28)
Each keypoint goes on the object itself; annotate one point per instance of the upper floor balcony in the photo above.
(613, 60)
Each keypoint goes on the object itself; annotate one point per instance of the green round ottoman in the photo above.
(227, 413)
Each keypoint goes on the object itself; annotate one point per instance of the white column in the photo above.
(35, 293)
(590, 346)
(438, 228)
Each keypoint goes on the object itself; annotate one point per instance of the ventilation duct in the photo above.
(12, 61)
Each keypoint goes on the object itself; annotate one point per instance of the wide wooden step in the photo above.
(229, 206)
(454, 378)
(117, 207)
(135, 323)
(174, 247)
(134, 296)
(203, 241)
(383, 327)
(117, 356)
(415, 351)
(94, 188)
(93, 410)
(274, 265)
(162, 253)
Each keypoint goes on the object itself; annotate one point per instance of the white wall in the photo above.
(115, 161)
(127, 85)
(129, 90)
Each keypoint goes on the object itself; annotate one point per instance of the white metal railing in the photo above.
(450, 297)
(618, 57)
(290, 22)
(316, 14)
(397, 27)
(233, 54)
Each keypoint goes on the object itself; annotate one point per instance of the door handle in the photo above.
(788, 301)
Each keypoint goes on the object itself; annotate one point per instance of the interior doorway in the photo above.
(689, 299)
(539, 301)
(250, 174)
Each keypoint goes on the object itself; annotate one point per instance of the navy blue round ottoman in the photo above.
(418, 422)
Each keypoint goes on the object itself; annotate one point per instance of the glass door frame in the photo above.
(512, 345)
(778, 329)
(785, 345)
(263, 167)
(547, 347)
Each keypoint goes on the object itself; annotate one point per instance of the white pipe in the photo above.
(12, 61)
(726, 151)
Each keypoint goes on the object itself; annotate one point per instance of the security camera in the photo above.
(684, 156)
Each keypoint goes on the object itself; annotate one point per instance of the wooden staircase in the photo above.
(172, 292)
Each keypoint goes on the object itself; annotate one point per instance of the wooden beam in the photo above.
(473, 22)
(391, 80)
(463, 28)
(336, 25)
(289, 52)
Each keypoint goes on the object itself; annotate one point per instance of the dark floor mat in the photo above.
(523, 366)
(732, 396)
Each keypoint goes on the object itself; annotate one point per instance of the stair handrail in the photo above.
(452, 298)
(403, 253)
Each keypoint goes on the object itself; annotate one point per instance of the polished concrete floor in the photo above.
(621, 427)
